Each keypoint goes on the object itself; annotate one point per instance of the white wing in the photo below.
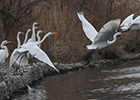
(41, 55)
(136, 20)
(127, 20)
(107, 30)
(87, 27)
(14, 57)
(35, 51)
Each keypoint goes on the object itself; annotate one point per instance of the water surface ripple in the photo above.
(117, 82)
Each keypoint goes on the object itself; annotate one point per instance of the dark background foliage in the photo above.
(61, 16)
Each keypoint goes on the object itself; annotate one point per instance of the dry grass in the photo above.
(70, 44)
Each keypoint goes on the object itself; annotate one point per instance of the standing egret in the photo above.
(130, 24)
(99, 39)
(35, 51)
(33, 37)
(24, 56)
(33, 34)
(4, 51)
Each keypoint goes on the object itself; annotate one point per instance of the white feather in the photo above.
(87, 27)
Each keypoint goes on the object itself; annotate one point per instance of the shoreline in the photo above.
(9, 84)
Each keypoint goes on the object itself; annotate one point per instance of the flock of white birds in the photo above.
(99, 40)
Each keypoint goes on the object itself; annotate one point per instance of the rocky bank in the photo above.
(11, 84)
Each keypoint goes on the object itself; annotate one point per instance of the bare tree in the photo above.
(13, 12)
(111, 10)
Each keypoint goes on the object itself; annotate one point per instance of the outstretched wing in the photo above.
(136, 20)
(40, 55)
(87, 27)
(127, 20)
(107, 30)
(14, 56)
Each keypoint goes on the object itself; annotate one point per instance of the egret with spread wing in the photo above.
(130, 24)
(35, 51)
(15, 56)
(99, 39)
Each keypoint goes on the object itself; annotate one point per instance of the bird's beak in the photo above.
(37, 23)
(43, 32)
(123, 33)
(55, 32)
(31, 30)
(21, 33)
(9, 41)
(37, 27)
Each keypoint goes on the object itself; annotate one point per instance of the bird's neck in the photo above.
(33, 33)
(114, 39)
(26, 37)
(48, 34)
(38, 37)
(3, 46)
(18, 40)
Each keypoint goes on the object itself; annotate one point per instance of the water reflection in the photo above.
(108, 83)
(37, 93)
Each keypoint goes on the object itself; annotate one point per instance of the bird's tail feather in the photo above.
(91, 47)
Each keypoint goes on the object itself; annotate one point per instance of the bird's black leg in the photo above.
(16, 67)
(87, 57)
(30, 60)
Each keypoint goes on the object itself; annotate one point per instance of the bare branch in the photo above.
(120, 6)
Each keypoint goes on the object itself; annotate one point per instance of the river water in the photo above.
(117, 82)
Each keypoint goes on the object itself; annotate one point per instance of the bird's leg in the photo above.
(21, 65)
(30, 60)
(15, 65)
(34, 60)
(88, 57)
(20, 72)
(1, 76)
(16, 68)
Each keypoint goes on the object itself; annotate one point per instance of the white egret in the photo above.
(99, 39)
(4, 51)
(24, 56)
(130, 24)
(33, 37)
(35, 51)
(14, 58)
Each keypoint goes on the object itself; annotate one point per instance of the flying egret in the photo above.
(4, 51)
(99, 39)
(35, 51)
(130, 24)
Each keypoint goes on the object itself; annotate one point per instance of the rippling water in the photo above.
(118, 82)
